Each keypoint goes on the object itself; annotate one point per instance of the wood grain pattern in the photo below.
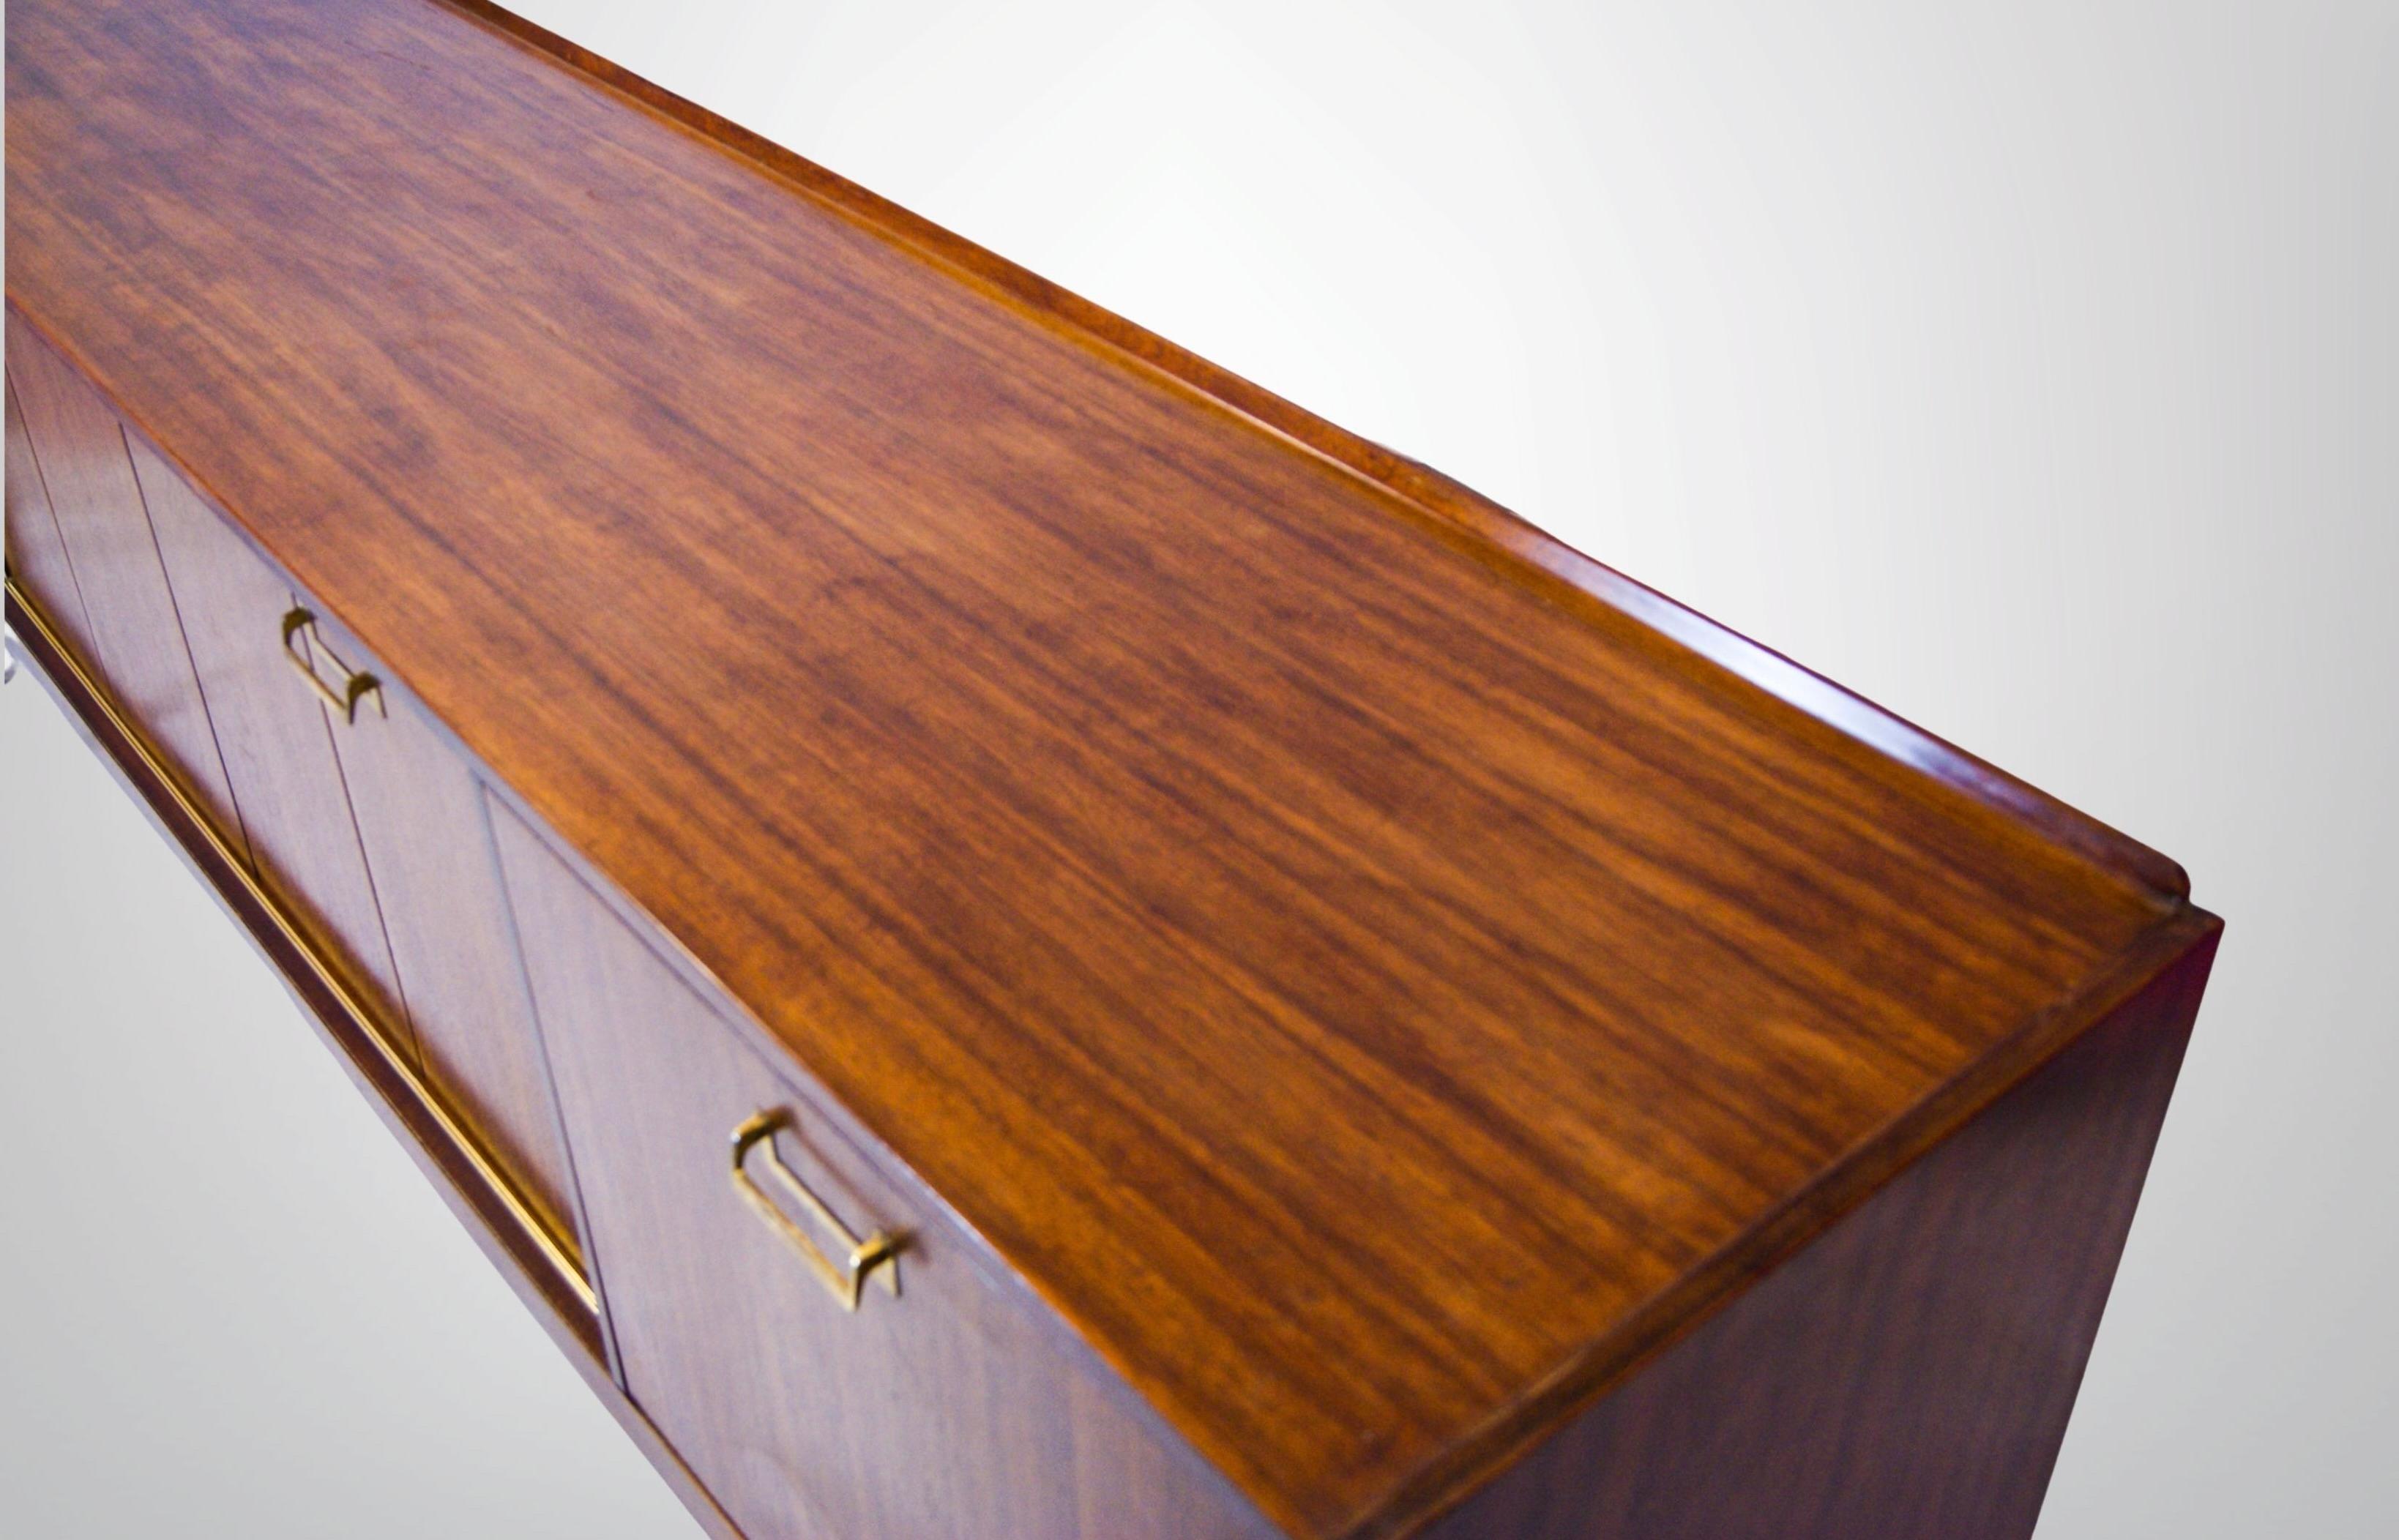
(136, 642)
(1374, 975)
(1909, 1375)
(37, 558)
(948, 1412)
(1528, 553)
(275, 738)
(420, 819)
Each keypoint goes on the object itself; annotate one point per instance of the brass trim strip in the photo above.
(560, 1254)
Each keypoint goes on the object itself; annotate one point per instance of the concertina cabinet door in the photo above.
(345, 803)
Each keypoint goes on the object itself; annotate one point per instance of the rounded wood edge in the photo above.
(2181, 936)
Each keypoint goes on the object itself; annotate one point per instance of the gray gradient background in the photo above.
(2031, 370)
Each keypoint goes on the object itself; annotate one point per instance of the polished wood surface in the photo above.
(1375, 973)
(420, 817)
(135, 640)
(1908, 1376)
(950, 1411)
(277, 743)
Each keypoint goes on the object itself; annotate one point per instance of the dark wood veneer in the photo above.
(169, 803)
(37, 558)
(569, 1320)
(272, 734)
(421, 822)
(948, 1410)
(79, 455)
(1368, 976)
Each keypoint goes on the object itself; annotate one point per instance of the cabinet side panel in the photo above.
(1909, 1375)
(942, 1411)
(136, 642)
(37, 560)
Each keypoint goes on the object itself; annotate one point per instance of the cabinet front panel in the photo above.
(277, 737)
(945, 1412)
(135, 643)
(37, 560)
(420, 816)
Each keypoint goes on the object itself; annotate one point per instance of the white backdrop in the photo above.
(2034, 372)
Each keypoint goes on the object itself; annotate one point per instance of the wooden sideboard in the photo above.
(1005, 935)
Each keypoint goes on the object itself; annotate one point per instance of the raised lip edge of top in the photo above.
(1547, 562)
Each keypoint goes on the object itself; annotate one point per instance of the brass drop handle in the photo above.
(356, 684)
(877, 1256)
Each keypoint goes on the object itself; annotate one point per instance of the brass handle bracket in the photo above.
(875, 1255)
(356, 685)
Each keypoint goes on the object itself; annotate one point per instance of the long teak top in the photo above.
(1372, 971)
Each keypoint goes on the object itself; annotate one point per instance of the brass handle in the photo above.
(877, 1256)
(356, 684)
